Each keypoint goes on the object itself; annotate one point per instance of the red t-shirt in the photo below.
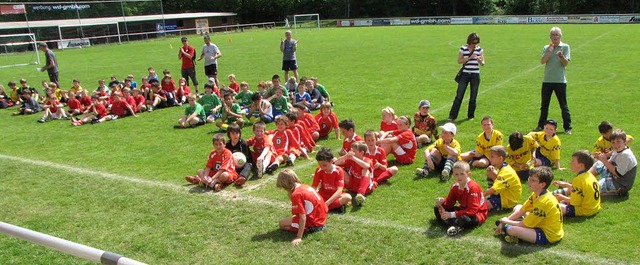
(101, 110)
(388, 127)
(302, 136)
(305, 200)
(310, 122)
(329, 182)
(139, 100)
(346, 143)
(258, 145)
(186, 92)
(187, 63)
(326, 124)
(86, 102)
(284, 142)
(168, 87)
(74, 104)
(470, 200)
(378, 156)
(235, 87)
(360, 177)
(53, 106)
(221, 161)
(119, 108)
(132, 102)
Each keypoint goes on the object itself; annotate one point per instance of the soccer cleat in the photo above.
(260, 168)
(421, 172)
(66, 118)
(445, 175)
(343, 208)
(150, 109)
(217, 186)
(511, 239)
(360, 199)
(240, 181)
(454, 230)
(567, 132)
(272, 168)
(193, 179)
(43, 120)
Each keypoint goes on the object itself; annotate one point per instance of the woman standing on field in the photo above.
(471, 57)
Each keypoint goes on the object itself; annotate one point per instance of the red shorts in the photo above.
(404, 159)
(335, 204)
(231, 177)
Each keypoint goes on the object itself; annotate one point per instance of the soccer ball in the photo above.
(239, 159)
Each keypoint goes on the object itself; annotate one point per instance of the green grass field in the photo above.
(119, 186)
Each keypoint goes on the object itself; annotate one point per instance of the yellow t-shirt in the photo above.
(13, 94)
(603, 145)
(508, 186)
(549, 148)
(544, 213)
(585, 194)
(58, 94)
(483, 145)
(440, 146)
(523, 154)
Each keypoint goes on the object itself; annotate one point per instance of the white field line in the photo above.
(234, 196)
(526, 72)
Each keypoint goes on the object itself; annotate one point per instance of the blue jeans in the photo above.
(561, 94)
(466, 79)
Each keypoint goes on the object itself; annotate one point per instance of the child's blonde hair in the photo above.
(219, 137)
(389, 110)
(244, 84)
(326, 105)
(232, 76)
(360, 146)
(461, 164)
(287, 179)
(182, 79)
(281, 118)
(191, 97)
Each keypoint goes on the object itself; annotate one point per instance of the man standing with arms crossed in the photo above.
(187, 54)
(210, 53)
(555, 57)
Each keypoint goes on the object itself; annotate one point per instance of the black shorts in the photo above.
(190, 73)
(289, 65)
(211, 69)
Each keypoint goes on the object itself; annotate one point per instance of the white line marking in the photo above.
(526, 72)
(234, 196)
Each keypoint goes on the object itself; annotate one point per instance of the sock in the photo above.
(559, 191)
(448, 165)
(292, 157)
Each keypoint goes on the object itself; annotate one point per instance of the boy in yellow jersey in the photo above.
(548, 154)
(506, 189)
(488, 138)
(442, 154)
(603, 144)
(617, 173)
(581, 197)
(521, 154)
(542, 223)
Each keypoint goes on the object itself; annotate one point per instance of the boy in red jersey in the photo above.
(182, 92)
(359, 172)
(220, 169)
(85, 100)
(309, 121)
(471, 209)
(262, 145)
(285, 146)
(169, 87)
(126, 96)
(75, 107)
(159, 100)
(95, 113)
(379, 158)
(328, 179)
(308, 209)
(302, 136)
(401, 143)
(327, 121)
(52, 109)
(140, 101)
(119, 109)
(348, 129)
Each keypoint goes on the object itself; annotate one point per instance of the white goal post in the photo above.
(306, 21)
(18, 50)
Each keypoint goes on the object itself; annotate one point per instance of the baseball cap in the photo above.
(212, 80)
(184, 39)
(425, 103)
(552, 122)
(449, 127)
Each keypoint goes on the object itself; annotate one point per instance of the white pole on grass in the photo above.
(66, 246)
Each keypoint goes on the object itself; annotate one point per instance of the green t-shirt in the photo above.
(280, 104)
(209, 102)
(323, 91)
(273, 91)
(235, 108)
(245, 98)
(554, 71)
(195, 109)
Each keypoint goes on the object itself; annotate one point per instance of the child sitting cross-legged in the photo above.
(581, 197)
(359, 173)
(220, 169)
(329, 181)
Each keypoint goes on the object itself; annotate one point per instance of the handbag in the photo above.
(457, 78)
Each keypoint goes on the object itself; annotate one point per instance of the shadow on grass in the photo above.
(276, 235)
(577, 219)
(198, 189)
(435, 230)
(614, 198)
(522, 248)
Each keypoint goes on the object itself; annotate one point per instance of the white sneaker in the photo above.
(454, 230)
(421, 172)
(360, 199)
(260, 167)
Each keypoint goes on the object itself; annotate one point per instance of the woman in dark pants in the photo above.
(471, 57)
